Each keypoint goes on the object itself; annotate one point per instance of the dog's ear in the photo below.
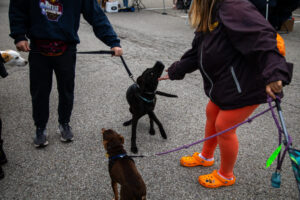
(103, 130)
(6, 57)
(105, 143)
(122, 139)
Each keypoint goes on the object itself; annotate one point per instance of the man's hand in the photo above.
(23, 46)
(274, 87)
(118, 51)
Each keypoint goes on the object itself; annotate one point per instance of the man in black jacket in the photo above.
(52, 26)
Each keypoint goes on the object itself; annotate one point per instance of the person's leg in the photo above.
(40, 75)
(65, 74)
(2, 154)
(125, 3)
(229, 145)
(40, 72)
(1, 173)
(3, 159)
(228, 142)
(174, 4)
(207, 154)
(209, 146)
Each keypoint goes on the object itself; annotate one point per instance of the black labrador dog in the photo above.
(141, 97)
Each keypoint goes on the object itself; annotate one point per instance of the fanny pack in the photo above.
(51, 47)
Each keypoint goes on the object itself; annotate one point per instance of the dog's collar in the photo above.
(113, 159)
(145, 99)
(117, 156)
(137, 85)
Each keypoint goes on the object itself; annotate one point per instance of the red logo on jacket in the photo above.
(52, 9)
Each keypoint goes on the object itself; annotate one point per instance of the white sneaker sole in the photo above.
(41, 145)
(63, 139)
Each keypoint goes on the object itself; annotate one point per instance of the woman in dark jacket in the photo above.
(236, 51)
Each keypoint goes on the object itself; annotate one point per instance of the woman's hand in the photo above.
(165, 77)
(274, 87)
(23, 46)
(118, 51)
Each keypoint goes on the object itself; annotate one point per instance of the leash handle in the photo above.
(96, 52)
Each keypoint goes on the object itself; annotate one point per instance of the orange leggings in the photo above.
(219, 120)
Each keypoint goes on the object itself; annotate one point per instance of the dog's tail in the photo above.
(165, 94)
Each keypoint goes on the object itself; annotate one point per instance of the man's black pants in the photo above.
(41, 73)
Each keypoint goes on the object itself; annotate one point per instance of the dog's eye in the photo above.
(151, 73)
(17, 57)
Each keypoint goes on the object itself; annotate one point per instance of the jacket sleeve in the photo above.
(187, 64)
(103, 30)
(19, 19)
(252, 35)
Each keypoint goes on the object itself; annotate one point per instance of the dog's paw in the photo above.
(152, 132)
(134, 149)
(127, 123)
(163, 134)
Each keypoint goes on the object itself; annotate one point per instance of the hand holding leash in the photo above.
(274, 87)
(117, 51)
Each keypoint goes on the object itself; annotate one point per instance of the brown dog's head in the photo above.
(112, 141)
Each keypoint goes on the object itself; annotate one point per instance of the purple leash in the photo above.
(249, 120)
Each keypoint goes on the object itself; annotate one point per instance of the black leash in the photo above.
(111, 53)
(102, 52)
(127, 69)
(141, 156)
(96, 52)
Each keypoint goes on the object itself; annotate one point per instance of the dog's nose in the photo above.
(26, 62)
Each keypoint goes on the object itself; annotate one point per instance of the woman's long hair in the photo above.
(200, 15)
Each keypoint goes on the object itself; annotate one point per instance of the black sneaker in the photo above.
(3, 159)
(1, 173)
(40, 140)
(66, 132)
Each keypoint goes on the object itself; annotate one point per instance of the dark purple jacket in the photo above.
(237, 59)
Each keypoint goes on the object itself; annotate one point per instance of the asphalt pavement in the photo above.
(79, 170)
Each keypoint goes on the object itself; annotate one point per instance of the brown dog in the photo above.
(122, 169)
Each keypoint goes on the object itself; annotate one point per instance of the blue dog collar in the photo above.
(118, 156)
(144, 99)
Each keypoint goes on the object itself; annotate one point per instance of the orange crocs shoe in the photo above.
(214, 180)
(195, 160)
